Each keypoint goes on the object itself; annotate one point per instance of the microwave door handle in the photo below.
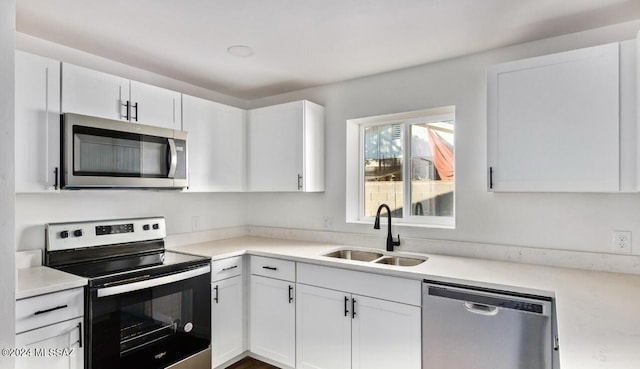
(173, 158)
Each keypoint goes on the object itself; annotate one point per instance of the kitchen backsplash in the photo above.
(527, 255)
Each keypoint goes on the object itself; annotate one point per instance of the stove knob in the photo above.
(64, 234)
(77, 233)
(156, 226)
(145, 227)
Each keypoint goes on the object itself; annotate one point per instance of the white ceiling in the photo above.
(301, 43)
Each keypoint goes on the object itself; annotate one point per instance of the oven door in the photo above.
(105, 153)
(151, 323)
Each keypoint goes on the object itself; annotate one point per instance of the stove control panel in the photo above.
(65, 236)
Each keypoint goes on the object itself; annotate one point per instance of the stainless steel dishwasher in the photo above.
(476, 328)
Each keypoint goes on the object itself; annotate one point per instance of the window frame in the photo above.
(407, 120)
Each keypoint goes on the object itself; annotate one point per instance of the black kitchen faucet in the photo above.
(376, 225)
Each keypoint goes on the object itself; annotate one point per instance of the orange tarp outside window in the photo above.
(442, 155)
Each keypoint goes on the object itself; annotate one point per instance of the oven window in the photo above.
(152, 320)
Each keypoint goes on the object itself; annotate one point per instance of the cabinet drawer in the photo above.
(43, 310)
(226, 268)
(274, 268)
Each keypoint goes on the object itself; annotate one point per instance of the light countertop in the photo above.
(40, 280)
(598, 313)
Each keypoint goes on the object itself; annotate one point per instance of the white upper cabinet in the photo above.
(155, 106)
(89, 92)
(285, 146)
(37, 123)
(555, 122)
(216, 145)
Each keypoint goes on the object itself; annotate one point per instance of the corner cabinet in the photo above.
(216, 145)
(555, 122)
(347, 319)
(37, 123)
(285, 145)
(272, 310)
(89, 92)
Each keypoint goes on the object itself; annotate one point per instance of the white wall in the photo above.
(7, 174)
(213, 210)
(581, 222)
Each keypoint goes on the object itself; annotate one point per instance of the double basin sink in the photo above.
(376, 257)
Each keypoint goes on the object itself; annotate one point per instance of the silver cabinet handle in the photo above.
(173, 161)
(229, 268)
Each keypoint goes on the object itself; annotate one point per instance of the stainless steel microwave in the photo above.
(104, 153)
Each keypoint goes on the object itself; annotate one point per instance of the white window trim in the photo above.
(355, 175)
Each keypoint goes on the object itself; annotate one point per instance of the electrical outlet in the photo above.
(195, 223)
(622, 241)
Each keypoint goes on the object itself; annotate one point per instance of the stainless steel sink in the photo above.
(400, 261)
(354, 255)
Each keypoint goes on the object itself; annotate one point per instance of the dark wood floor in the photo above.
(251, 363)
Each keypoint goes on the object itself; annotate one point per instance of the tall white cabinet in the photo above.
(272, 310)
(216, 145)
(89, 92)
(285, 146)
(227, 309)
(37, 123)
(557, 123)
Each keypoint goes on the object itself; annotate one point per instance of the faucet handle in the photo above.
(396, 243)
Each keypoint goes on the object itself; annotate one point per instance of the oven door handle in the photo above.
(135, 286)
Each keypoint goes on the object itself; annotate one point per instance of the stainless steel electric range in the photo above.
(146, 307)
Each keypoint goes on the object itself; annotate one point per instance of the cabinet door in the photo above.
(323, 328)
(55, 346)
(554, 122)
(385, 335)
(155, 106)
(37, 120)
(89, 92)
(272, 319)
(216, 145)
(227, 339)
(275, 146)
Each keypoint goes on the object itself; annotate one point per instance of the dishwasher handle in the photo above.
(481, 309)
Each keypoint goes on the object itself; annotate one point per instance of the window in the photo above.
(405, 161)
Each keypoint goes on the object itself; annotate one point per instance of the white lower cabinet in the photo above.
(272, 320)
(227, 339)
(50, 330)
(337, 327)
(385, 334)
(56, 346)
(323, 324)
